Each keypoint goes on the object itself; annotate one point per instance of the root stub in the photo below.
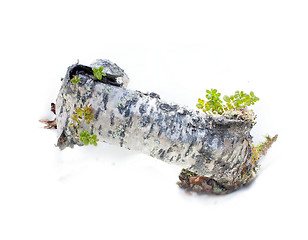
(192, 182)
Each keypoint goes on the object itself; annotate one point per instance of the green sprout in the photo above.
(75, 79)
(98, 72)
(87, 139)
(85, 113)
(76, 119)
(215, 105)
(240, 100)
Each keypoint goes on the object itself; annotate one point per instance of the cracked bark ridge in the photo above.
(215, 147)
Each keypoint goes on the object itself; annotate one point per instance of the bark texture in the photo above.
(216, 147)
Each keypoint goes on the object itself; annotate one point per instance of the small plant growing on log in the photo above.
(86, 114)
(215, 105)
(75, 79)
(222, 150)
(98, 72)
(87, 139)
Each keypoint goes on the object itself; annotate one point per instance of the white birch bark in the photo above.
(211, 146)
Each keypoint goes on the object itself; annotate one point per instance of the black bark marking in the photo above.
(83, 99)
(100, 129)
(112, 119)
(122, 107)
(190, 147)
(144, 121)
(180, 138)
(97, 113)
(111, 80)
(167, 107)
(162, 154)
(61, 109)
(92, 129)
(169, 150)
(122, 133)
(184, 112)
(154, 95)
(208, 160)
(121, 142)
(130, 122)
(173, 129)
(160, 132)
(105, 100)
(151, 128)
(127, 112)
(78, 95)
(142, 108)
(66, 123)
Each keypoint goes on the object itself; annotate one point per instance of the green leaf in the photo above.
(226, 98)
(201, 101)
(75, 79)
(200, 106)
(98, 72)
(86, 141)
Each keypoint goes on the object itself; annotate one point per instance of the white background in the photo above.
(177, 49)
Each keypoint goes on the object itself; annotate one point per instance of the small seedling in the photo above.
(87, 139)
(75, 79)
(98, 72)
(240, 100)
(86, 114)
(214, 105)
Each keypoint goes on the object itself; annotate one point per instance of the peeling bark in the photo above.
(214, 147)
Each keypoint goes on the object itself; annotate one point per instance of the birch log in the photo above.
(216, 147)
